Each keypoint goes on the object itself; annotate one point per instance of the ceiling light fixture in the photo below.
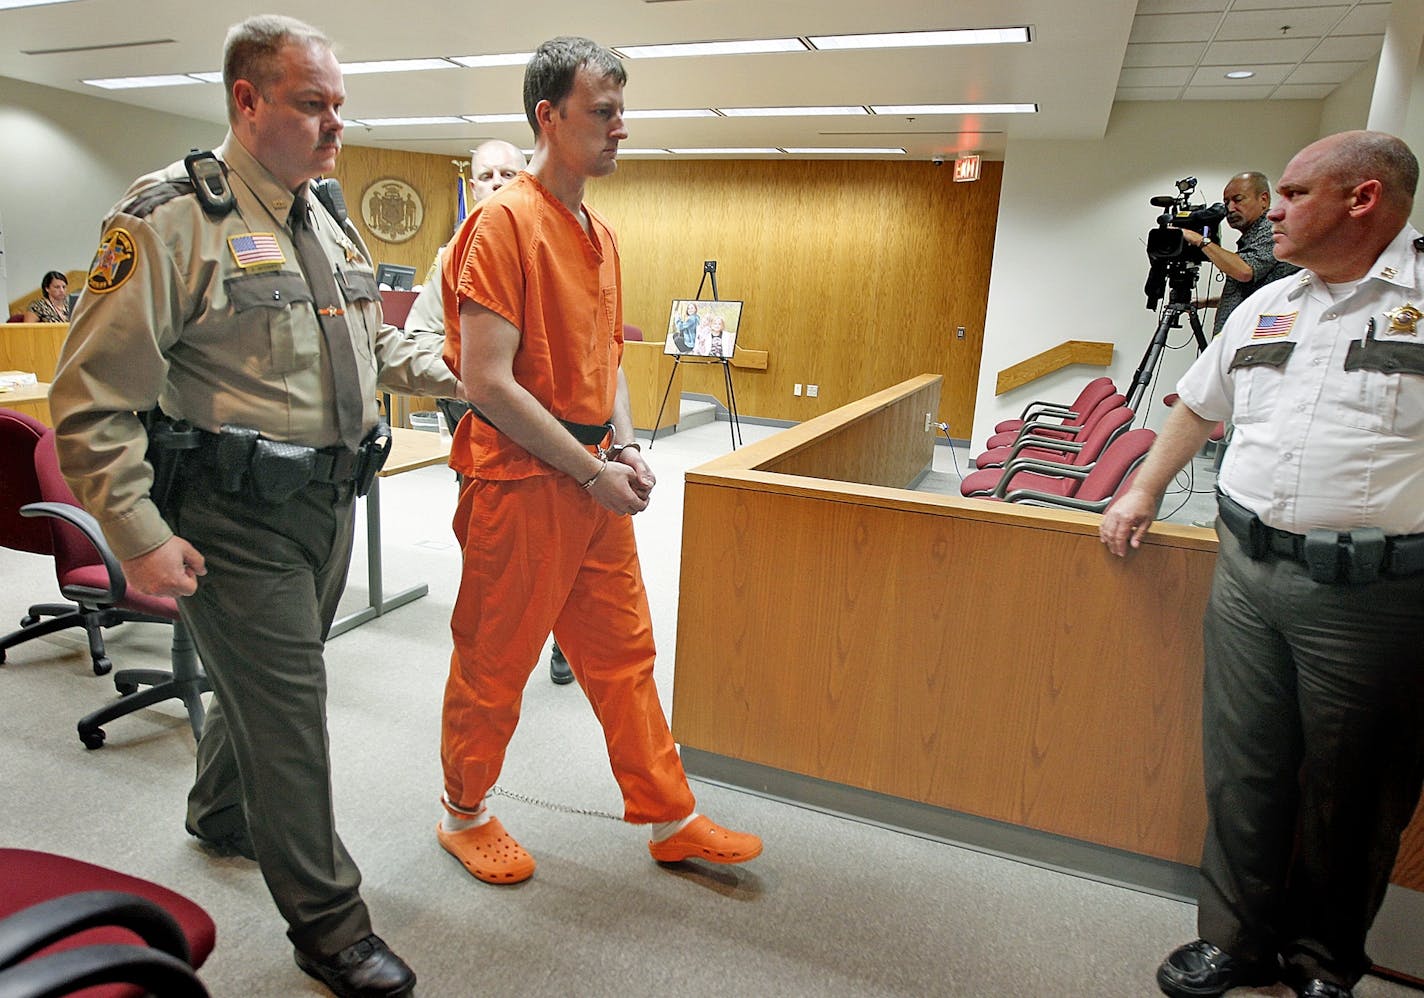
(139, 82)
(509, 117)
(844, 151)
(789, 112)
(211, 77)
(1240, 74)
(502, 59)
(912, 39)
(436, 119)
(748, 47)
(954, 108)
(394, 66)
(743, 151)
(13, 4)
(686, 112)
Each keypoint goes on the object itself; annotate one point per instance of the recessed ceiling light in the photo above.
(212, 77)
(394, 66)
(12, 4)
(954, 108)
(742, 151)
(503, 59)
(750, 46)
(686, 112)
(788, 112)
(908, 39)
(138, 82)
(437, 119)
(1240, 74)
(496, 119)
(846, 151)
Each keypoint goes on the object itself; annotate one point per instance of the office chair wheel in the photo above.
(92, 738)
(125, 688)
(102, 665)
(29, 620)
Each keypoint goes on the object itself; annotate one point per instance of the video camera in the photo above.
(1169, 252)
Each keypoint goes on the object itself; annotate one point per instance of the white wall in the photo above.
(1069, 256)
(65, 159)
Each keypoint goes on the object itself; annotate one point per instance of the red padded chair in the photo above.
(632, 334)
(1080, 454)
(82, 576)
(67, 922)
(1090, 490)
(1042, 409)
(78, 542)
(1218, 432)
(1028, 443)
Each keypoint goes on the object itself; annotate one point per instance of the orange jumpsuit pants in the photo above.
(540, 554)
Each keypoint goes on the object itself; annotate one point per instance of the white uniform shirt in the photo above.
(1317, 445)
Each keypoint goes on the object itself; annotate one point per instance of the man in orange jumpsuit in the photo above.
(532, 283)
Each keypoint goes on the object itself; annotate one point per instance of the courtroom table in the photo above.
(410, 449)
(32, 400)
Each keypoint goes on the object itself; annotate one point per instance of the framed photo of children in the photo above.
(703, 328)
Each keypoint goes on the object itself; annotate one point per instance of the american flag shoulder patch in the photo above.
(1273, 327)
(256, 249)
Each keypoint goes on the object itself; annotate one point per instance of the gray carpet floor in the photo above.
(834, 907)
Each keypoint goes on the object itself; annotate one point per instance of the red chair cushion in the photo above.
(31, 877)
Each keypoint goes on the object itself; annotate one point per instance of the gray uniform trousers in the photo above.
(260, 616)
(1313, 745)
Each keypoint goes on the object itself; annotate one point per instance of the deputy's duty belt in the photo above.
(1354, 556)
(588, 434)
(272, 470)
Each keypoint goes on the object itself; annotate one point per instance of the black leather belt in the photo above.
(588, 434)
(1354, 556)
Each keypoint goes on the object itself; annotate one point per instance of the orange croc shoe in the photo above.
(704, 840)
(488, 852)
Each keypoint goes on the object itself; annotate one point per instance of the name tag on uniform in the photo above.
(256, 250)
(1273, 327)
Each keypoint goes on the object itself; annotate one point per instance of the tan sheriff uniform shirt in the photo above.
(212, 319)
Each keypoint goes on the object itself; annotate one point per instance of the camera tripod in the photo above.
(1182, 282)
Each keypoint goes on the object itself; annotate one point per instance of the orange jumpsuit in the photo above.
(539, 553)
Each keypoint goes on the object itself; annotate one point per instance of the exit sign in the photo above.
(966, 168)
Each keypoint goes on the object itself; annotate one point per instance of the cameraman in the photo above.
(1254, 265)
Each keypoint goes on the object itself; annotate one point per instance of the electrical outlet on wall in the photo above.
(796, 389)
(812, 391)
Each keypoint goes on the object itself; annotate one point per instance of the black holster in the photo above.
(371, 458)
(170, 443)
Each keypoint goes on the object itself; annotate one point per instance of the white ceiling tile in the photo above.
(1309, 91)
(1173, 27)
(1185, 54)
(1180, 6)
(1158, 76)
(1148, 93)
(1310, 22)
(1209, 76)
(1228, 93)
(1290, 50)
(1349, 48)
(1366, 19)
(1324, 72)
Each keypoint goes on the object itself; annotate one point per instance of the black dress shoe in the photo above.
(1201, 970)
(559, 672)
(226, 845)
(367, 969)
(1317, 988)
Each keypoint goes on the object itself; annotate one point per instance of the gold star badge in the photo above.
(1404, 319)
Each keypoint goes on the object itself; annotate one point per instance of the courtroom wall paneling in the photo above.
(855, 274)
(432, 176)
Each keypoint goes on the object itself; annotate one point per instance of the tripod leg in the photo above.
(663, 404)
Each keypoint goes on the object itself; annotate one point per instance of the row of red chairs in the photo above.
(1075, 455)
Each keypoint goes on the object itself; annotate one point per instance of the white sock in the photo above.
(667, 829)
(457, 820)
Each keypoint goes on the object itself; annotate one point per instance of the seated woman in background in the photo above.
(53, 303)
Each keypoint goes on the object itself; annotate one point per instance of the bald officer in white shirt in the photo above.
(1313, 703)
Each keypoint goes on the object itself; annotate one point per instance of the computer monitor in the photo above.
(395, 277)
(73, 297)
(703, 328)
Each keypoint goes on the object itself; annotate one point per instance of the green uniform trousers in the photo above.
(275, 573)
(1313, 746)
